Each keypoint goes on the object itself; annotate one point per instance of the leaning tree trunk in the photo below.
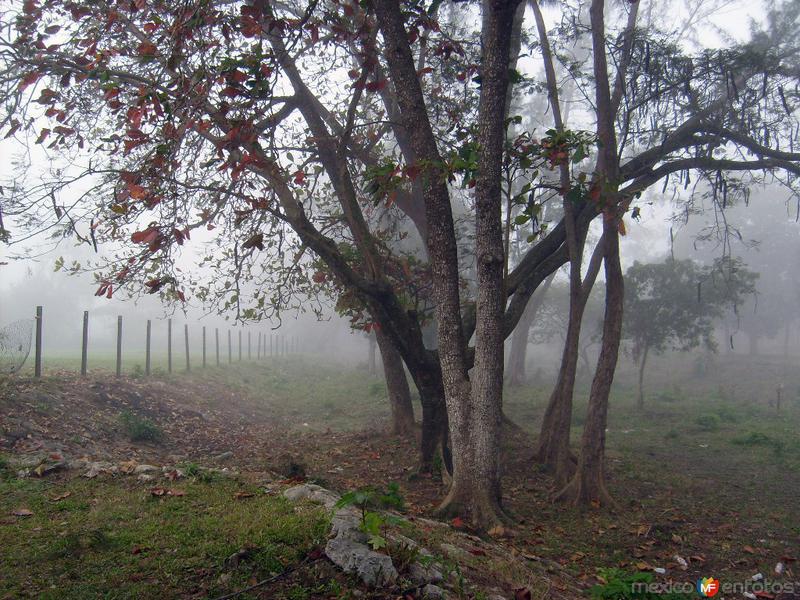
(643, 359)
(554, 452)
(519, 339)
(588, 487)
(397, 386)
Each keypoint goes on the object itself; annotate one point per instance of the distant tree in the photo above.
(673, 305)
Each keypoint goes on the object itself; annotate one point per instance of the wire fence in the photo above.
(199, 346)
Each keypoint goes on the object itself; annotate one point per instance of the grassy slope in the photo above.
(114, 539)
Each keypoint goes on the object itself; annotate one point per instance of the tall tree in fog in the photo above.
(723, 117)
(673, 305)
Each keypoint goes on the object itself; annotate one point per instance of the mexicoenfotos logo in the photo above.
(707, 587)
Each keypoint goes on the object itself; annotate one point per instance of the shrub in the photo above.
(139, 429)
(708, 422)
(756, 438)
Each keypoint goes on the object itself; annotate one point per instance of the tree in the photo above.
(286, 130)
(673, 305)
(210, 116)
(662, 112)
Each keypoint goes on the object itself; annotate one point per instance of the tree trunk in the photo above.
(554, 451)
(643, 362)
(473, 408)
(397, 386)
(475, 405)
(587, 487)
(434, 436)
(372, 364)
(519, 339)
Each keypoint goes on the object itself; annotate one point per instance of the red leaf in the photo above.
(137, 192)
(145, 237)
(457, 522)
(147, 49)
(299, 177)
(29, 79)
(43, 135)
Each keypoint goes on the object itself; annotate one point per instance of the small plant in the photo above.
(139, 429)
(403, 555)
(137, 371)
(620, 585)
(199, 473)
(756, 438)
(708, 422)
(373, 523)
(672, 434)
(377, 389)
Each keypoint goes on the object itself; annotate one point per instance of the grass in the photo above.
(114, 539)
(139, 429)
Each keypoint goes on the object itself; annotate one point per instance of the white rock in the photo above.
(374, 569)
(314, 493)
(432, 592)
(144, 469)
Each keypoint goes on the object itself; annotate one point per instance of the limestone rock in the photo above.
(374, 569)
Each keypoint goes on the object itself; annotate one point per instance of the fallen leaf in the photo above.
(242, 495)
(476, 551)
(23, 512)
(522, 594)
(749, 549)
(497, 531)
(61, 497)
(457, 522)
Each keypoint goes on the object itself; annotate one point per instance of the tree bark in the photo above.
(642, 363)
(397, 386)
(587, 487)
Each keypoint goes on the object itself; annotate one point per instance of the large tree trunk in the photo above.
(397, 386)
(587, 487)
(475, 406)
(642, 363)
(515, 375)
(434, 430)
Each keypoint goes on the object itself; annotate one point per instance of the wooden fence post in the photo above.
(186, 340)
(240, 345)
(147, 350)
(204, 346)
(119, 345)
(37, 357)
(85, 344)
(258, 353)
(230, 348)
(169, 345)
(249, 351)
(216, 342)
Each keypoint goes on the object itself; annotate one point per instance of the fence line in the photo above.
(279, 345)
